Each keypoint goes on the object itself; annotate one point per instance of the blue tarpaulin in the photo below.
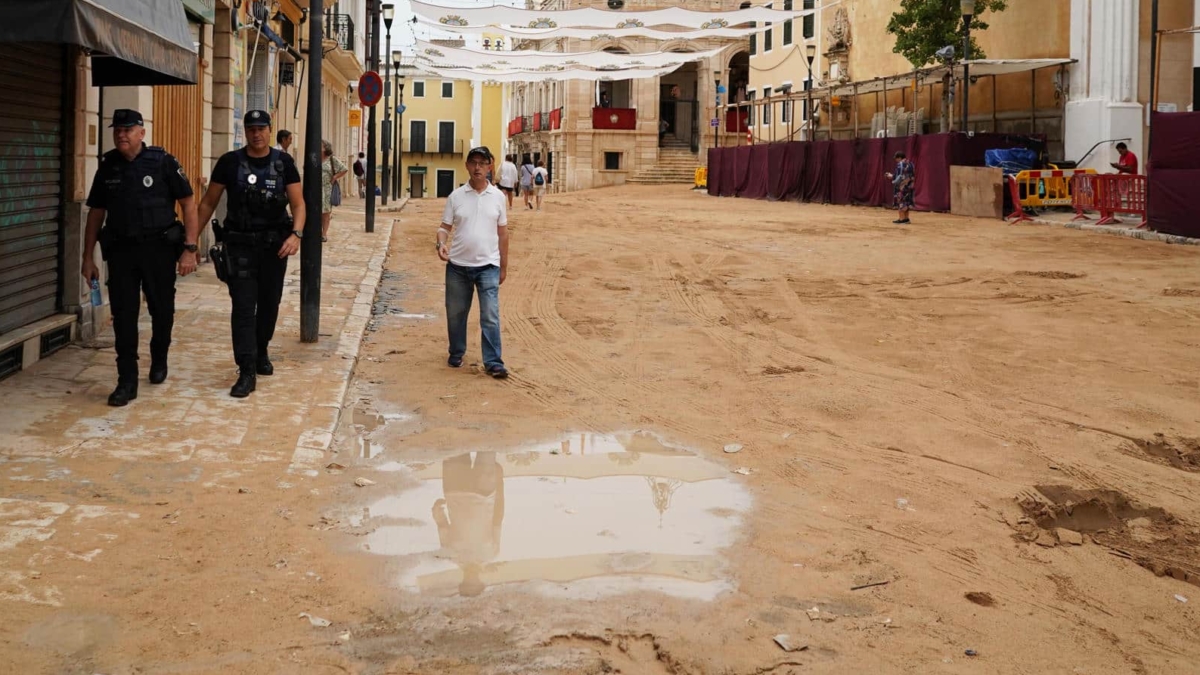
(1012, 160)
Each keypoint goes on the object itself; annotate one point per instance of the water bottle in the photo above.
(97, 298)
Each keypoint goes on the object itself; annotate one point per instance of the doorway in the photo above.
(445, 182)
(416, 185)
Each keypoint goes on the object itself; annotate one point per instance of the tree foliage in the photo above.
(922, 27)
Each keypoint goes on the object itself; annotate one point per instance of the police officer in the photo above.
(258, 237)
(133, 196)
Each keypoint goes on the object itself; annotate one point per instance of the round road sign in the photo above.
(370, 88)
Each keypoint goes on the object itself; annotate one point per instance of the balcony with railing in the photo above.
(433, 145)
(340, 29)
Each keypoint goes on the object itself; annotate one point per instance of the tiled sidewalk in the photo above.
(56, 411)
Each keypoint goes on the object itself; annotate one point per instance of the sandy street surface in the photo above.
(950, 447)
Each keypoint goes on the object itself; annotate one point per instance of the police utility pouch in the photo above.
(220, 262)
(174, 233)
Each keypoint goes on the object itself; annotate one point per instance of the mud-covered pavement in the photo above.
(955, 447)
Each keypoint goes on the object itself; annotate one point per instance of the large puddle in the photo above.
(584, 517)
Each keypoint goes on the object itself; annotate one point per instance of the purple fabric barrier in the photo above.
(741, 169)
(1176, 141)
(1172, 202)
(851, 172)
(841, 172)
(1174, 169)
(816, 172)
(777, 164)
(714, 171)
(758, 173)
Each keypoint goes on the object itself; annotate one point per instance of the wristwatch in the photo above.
(191, 248)
(299, 233)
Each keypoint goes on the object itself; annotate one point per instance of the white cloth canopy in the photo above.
(603, 33)
(587, 75)
(439, 55)
(501, 15)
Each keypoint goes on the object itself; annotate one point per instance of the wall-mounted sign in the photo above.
(205, 10)
(287, 73)
(355, 119)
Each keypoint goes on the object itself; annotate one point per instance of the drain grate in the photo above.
(55, 340)
(10, 360)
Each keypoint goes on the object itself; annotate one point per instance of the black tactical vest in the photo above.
(258, 199)
(139, 202)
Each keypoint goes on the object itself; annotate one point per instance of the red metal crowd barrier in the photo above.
(1109, 195)
(1018, 215)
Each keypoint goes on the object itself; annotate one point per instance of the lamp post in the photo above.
(388, 12)
(397, 176)
(810, 53)
(310, 255)
(968, 12)
(372, 130)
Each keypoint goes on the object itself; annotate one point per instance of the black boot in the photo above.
(246, 381)
(123, 394)
(158, 370)
(264, 365)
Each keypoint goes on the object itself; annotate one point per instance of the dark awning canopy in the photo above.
(133, 42)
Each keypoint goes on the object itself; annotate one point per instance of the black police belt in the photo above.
(172, 234)
(255, 238)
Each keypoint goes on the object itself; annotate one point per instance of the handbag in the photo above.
(335, 195)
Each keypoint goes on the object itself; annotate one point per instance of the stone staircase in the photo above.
(676, 165)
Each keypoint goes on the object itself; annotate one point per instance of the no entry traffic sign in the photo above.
(370, 88)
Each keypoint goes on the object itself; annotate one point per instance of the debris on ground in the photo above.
(971, 652)
(789, 644)
(742, 471)
(316, 621)
(363, 482)
(733, 448)
(1181, 598)
(870, 585)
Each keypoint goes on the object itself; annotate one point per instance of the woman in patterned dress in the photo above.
(332, 170)
(903, 181)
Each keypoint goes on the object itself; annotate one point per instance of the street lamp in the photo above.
(398, 177)
(968, 12)
(810, 54)
(717, 114)
(389, 12)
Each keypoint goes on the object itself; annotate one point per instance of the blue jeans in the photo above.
(461, 284)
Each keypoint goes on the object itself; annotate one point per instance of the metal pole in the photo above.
(966, 88)
(1154, 56)
(373, 13)
(387, 118)
(310, 252)
(398, 174)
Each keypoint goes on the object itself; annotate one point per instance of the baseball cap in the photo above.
(481, 150)
(124, 117)
(257, 118)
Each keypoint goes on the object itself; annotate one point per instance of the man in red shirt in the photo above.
(1127, 163)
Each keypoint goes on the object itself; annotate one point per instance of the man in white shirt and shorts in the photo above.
(508, 178)
(473, 240)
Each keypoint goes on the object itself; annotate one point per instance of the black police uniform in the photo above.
(141, 242)
(256, 225)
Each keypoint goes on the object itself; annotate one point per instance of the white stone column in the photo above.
(1103, 102)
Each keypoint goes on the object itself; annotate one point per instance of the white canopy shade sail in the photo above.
(501, 15)
(549, 74)
(451, 57)
(603, 33)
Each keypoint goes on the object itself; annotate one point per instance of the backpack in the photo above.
(538, 179)
(358, 168)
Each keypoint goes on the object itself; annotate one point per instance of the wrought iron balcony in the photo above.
(340, 28)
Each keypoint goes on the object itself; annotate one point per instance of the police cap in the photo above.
(257, 118)
(124, 117)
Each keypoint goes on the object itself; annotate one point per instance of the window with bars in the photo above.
(810, 21)
(750, 114)
(418, 89)
(766, 115)
(769, 36)
(447, 90)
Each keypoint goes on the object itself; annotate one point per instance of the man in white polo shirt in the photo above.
(473, 240)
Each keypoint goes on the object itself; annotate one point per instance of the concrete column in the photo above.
(224, 43)
(1103, 100)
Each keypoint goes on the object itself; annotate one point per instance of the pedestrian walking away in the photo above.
(360, 174)
(509, 178)
(903, 181)
(473, 241)
(332, 170)
(527, 180)
(258, 237)
(540, 178)
(133, 196)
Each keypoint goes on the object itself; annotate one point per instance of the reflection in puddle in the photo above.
(365, 422)
(586, 516)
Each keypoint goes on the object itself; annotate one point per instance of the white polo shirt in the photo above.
(475, 242)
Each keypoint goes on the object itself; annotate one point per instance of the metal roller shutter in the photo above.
(31, 164)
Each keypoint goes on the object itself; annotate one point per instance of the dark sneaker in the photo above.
(498, 372)
(158, 372)
(245, 384)
(454, 362)
(263, 365)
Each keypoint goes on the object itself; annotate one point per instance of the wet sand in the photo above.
(988, 431)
